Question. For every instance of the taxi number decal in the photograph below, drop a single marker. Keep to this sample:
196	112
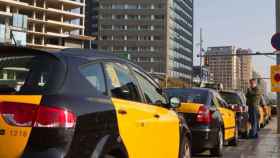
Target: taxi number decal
18	133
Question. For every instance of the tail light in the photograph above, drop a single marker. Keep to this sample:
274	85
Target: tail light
238	108
28	115
204	115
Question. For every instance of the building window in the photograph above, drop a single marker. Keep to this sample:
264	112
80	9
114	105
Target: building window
145	48
132	17
145	27
145	17
118	48
131	6
159	27
106	37
159	6
106	16
159	17
132	27
145	38
144	6
144	59
119	27
132	48
158	38
132	38
119	17
119	38
106	6
118	6
106	27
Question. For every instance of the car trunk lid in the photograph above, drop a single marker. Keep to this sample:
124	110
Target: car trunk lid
26	76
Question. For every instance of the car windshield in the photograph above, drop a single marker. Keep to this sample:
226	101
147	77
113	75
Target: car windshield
189	95
231	98
28	73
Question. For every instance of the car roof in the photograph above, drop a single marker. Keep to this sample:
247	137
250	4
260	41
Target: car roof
83	54
232	92
192	89
86	55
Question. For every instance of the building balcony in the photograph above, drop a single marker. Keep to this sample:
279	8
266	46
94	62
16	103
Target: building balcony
49	11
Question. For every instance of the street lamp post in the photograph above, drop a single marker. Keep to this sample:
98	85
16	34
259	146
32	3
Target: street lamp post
277	4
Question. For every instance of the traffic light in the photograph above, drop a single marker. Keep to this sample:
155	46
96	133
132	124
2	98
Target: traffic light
206	61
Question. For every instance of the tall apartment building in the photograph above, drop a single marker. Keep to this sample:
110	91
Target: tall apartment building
158	34
246	68
224	68
44	24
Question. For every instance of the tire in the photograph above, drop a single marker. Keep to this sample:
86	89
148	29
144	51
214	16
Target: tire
245	134
186	148
218	150
234	141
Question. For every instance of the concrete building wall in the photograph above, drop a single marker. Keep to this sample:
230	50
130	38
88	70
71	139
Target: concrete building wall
246	69
157	34
224	68
49	22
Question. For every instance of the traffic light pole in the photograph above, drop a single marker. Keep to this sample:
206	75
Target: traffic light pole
277	4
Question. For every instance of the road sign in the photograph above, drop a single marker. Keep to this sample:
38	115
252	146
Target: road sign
275	78
275	41
124	56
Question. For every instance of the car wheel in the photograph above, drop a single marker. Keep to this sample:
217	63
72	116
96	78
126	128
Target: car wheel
234	142
245	134
218	150
186	148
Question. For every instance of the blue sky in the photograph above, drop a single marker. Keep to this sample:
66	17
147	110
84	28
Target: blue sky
242	23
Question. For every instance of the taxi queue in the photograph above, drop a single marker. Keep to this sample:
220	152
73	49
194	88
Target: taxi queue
87	104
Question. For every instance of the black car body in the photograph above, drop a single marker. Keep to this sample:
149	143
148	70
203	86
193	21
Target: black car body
207	116
237	102
83	104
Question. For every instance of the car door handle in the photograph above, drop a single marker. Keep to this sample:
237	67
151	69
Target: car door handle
157	116
122	111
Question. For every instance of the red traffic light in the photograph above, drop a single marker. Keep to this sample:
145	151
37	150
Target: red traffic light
277	77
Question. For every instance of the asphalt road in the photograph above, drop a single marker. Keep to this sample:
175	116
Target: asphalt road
266	146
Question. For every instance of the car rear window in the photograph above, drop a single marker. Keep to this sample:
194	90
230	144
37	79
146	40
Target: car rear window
231	98
189	96
31	74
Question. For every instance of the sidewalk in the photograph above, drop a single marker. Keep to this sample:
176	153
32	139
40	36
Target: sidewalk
267	146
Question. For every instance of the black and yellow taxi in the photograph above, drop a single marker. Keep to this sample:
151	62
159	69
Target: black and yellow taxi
83	104
237	101
211	122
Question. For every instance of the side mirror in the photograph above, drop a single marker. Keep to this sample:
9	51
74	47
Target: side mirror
174	102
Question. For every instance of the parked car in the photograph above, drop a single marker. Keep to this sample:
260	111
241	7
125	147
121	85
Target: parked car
273	110
84	104
261	117
266	110
212	124
238	104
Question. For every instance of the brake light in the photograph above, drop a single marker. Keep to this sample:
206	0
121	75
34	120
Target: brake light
204	115
238	108
54	117
29	115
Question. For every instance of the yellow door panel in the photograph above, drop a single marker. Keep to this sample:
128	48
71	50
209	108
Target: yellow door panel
189	108
229	122
147	131
14	139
